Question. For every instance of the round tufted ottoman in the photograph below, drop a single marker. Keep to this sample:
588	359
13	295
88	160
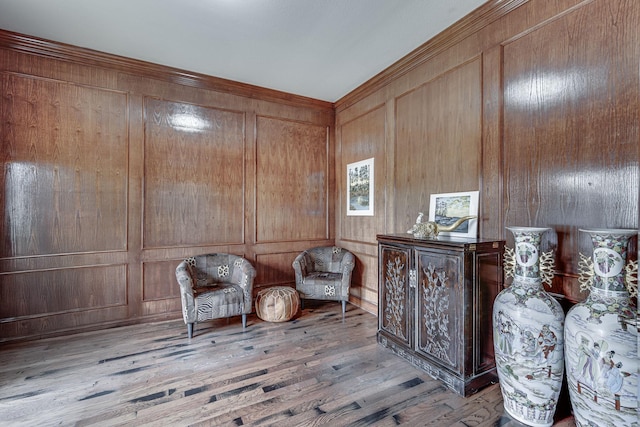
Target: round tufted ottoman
277	304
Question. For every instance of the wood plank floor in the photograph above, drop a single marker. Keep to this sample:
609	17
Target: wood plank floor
318	369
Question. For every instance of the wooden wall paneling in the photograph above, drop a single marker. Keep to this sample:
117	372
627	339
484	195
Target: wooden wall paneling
250	188
390	169
490	224
364	282
63	56
135	205
363	138
160	291
438	140
571	125
193	175
292	180
36	293
275	269
39	301
65	168
462	31
160	193
159	280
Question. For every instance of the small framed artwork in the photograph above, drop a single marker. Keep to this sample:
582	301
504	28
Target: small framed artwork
360	188
445	209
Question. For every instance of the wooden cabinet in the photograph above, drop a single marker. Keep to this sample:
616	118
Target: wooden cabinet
435	303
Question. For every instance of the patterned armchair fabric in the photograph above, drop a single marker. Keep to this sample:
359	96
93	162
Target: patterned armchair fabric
324	273
214	286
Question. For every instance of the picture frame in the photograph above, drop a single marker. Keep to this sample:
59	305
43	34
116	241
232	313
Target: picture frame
360	200
446	208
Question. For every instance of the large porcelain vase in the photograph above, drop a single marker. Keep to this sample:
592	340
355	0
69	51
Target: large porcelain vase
601	336
528	331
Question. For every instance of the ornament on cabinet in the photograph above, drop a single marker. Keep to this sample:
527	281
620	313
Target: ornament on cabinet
431	229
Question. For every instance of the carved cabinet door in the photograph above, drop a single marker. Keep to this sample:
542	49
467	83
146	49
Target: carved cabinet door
439	308
395	299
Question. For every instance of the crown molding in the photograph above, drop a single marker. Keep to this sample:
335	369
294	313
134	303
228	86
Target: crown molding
465	27
64	52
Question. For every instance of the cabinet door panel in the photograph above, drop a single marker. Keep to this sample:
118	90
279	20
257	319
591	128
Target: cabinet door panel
440	298
394	297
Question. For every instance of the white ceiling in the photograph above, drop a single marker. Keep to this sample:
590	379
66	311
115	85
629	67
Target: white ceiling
321	49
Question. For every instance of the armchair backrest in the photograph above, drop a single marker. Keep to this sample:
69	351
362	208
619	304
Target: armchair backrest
329	259
207	270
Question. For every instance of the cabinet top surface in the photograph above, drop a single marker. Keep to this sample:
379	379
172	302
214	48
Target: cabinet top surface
438	241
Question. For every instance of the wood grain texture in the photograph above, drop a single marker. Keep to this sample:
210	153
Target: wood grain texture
571	125
193	176
319	369
118	172
466	28
569	161
158	280
96	61
550	123
360	139
438	128
275	269
65	168
292	182
62	290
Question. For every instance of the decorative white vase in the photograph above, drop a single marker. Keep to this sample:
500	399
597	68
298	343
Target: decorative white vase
528	331
601	336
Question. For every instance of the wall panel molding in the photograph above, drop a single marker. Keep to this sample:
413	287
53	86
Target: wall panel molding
73	54
551	114
468	26
186	196
154	188
66	163
292	180
41	293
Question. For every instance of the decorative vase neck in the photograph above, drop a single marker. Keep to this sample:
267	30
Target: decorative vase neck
527	254
609	259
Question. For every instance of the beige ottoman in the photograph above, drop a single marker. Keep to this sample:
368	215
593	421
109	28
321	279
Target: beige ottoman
277	304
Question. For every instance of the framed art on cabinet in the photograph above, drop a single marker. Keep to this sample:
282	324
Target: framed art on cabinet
360	188
447	208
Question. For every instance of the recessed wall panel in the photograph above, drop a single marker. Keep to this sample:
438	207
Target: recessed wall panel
193	175
159	280
571	126
275	269
36	293
291	180
65	168
438	128
364	138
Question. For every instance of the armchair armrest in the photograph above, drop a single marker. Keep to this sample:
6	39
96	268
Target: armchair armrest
185	280
302	266
243	273
346	267
347	263
183	275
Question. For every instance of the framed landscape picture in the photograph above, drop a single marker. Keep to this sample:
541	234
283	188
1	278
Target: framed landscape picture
447	208
360	188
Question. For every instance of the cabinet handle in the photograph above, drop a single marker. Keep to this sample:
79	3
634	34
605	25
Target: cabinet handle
413	279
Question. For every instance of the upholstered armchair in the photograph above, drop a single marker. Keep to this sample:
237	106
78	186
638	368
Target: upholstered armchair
324	273
214	286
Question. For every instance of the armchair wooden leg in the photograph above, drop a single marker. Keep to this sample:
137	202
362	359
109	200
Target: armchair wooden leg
244	321
190	330
344	307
